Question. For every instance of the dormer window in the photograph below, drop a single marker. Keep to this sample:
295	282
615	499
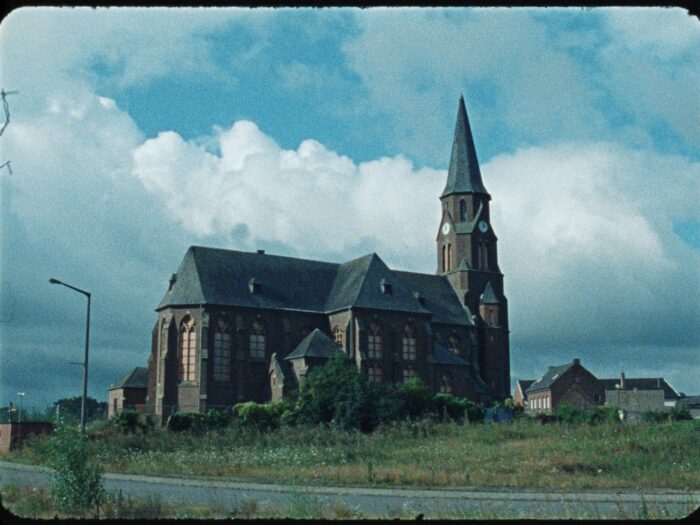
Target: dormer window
385	286
173	278
420	298
255	286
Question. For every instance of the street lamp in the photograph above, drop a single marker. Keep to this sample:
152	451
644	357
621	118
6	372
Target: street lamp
87	347
21	397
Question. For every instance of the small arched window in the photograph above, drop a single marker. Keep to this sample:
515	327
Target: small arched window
463	210
257	340
188	349
444	257
374	341
449	256
446	383
222	352
453	343
162	350
408	346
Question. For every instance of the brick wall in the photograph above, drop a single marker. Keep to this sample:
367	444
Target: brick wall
12	435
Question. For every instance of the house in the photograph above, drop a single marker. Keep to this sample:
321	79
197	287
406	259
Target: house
670	396
692	403
239	326
569	384
128	392
521	385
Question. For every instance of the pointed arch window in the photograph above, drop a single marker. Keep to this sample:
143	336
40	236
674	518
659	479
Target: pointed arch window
453	343
409	372
408	347
338	337
446	383
188	349
444	257
463	210
374	373
374	341
257	340
162	350
449	256
483	255
222	352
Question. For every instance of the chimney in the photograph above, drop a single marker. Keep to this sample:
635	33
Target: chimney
577	361
262	252
622	379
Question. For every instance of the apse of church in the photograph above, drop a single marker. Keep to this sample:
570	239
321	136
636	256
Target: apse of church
237	326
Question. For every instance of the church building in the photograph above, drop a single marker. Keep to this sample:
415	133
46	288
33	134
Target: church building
248	326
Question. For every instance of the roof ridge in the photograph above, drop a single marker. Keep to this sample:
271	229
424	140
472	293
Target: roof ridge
210	248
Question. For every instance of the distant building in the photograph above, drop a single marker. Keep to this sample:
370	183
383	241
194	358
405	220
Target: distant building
569	384
521	385
128	392
633	402
692	403
670	396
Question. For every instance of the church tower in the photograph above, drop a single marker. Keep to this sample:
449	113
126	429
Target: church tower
467	255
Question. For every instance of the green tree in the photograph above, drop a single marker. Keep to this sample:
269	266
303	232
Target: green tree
77	484
69	408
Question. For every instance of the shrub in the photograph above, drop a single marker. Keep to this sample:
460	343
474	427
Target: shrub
679	414
216	419
336	393
603	414
655	416
457	408
414	398
127	421
260	416
77	482
186	421
570	414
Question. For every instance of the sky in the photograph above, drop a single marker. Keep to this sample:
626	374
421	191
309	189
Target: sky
136	133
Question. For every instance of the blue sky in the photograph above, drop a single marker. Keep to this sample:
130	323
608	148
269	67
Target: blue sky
138	132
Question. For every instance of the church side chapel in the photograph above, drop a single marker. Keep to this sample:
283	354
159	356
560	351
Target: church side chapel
249	326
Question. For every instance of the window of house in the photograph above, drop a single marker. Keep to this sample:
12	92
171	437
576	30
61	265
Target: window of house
462	210
338	336
453	343
374	373
257	340
222	352
446	384
374	341
409	372
188	349
408	346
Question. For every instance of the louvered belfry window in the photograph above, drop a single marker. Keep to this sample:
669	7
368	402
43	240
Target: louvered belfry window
188	349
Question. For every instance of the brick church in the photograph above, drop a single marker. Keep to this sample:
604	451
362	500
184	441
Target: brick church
238	326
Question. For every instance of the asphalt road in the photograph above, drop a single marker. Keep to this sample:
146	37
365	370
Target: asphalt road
380	502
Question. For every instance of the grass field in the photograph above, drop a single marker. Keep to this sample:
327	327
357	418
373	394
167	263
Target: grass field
522	454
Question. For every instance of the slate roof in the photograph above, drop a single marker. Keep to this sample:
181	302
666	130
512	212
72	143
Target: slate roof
643	383
136	378
316	344
222	277
525	384
445	356
688	401
489	295
463	175
554	373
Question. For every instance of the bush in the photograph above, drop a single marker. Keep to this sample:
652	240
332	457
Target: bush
603	414
127	421
186	421
655	416
570	414
216	419
457	408
260	416
336	393
679	414
77	482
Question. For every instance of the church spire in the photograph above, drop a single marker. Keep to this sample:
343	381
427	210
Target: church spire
464	175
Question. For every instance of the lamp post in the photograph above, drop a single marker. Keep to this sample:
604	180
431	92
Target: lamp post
87	348
19	418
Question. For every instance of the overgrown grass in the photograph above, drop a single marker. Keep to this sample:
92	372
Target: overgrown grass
35	503
523	454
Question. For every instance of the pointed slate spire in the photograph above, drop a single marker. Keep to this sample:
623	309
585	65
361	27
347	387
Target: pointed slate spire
489	295
464	175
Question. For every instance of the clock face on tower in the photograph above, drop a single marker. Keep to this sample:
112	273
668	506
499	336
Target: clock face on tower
445	228
483	226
